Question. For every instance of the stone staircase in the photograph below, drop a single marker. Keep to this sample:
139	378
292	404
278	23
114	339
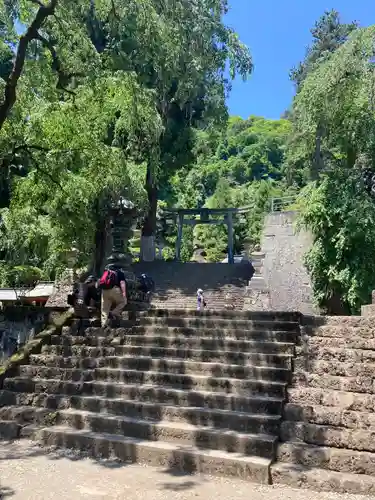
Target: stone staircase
197	392
177	283
329	422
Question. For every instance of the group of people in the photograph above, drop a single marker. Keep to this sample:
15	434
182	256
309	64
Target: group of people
108	293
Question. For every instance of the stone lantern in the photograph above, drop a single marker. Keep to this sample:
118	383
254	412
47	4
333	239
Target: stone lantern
71	259
122	214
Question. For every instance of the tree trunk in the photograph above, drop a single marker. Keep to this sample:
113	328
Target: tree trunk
149	224
10	94
100	240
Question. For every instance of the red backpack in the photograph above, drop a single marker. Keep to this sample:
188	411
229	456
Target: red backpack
108	280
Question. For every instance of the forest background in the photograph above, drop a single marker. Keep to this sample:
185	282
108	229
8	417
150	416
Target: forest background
98	99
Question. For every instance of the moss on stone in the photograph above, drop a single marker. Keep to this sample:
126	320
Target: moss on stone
34	344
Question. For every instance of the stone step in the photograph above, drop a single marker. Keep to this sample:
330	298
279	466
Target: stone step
113	389
335	459
328	415
157	453
188	343
146	395
178	381
342	331
298	476
25	415
178	331
354	342
215	322
282	360
349	401
343	355
331	382
225	314
334	368
168	366
43	408
261	445
325	435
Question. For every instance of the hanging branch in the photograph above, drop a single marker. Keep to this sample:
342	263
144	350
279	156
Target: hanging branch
10	92
62	77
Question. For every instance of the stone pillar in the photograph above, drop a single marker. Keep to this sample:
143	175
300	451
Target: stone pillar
179	236
229	221
257	296
122	217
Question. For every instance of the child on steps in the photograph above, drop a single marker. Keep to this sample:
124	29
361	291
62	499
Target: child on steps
201	303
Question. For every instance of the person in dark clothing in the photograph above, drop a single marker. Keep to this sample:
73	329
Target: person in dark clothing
91	294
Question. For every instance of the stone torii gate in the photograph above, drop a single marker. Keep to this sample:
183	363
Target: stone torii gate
187	216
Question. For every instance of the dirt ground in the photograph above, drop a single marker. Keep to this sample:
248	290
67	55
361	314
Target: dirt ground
28	472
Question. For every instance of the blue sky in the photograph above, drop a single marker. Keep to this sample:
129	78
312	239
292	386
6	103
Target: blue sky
277	33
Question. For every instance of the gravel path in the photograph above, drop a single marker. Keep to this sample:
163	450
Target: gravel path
28	472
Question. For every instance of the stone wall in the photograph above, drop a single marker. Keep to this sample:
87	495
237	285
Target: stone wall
18	324
283	270
327	433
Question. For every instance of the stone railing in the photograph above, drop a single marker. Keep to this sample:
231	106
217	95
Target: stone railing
282	204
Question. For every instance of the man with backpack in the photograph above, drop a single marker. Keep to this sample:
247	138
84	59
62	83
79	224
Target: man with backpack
113	286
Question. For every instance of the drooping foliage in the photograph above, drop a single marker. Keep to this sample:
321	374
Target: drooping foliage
105	98
334	130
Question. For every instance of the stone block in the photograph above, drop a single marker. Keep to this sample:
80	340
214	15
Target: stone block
9	430
368	311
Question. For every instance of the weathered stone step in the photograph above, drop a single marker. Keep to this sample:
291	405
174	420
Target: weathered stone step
335	368
354	342
214	322
113	389
350	384
178	331
335	459
156	453
343	354
249	315
350	401
165	365
189	343
187	382
25	415
342	331
147	394
298	476
328	415
282	360
324	435
261	445
45	412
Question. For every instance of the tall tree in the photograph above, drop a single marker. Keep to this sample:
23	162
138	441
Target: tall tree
181	51
329	33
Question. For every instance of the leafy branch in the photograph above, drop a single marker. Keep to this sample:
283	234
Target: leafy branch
10	91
